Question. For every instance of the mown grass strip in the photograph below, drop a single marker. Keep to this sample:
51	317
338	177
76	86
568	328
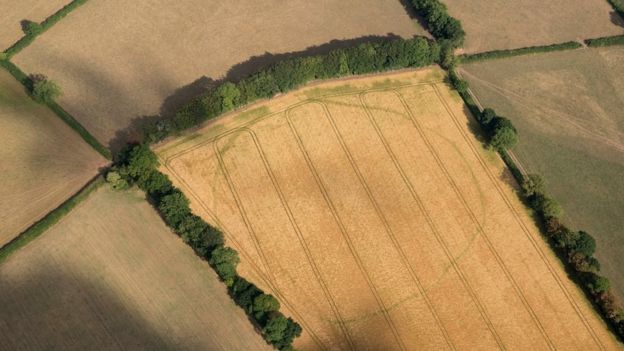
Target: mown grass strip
50	219
497	54
45	25
605	41
59	111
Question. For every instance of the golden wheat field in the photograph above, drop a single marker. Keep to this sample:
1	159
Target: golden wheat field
370	210
112	276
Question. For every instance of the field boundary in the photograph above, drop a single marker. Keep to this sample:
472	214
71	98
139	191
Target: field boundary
40	28
53	217
498	54
521	223
21	77
605	41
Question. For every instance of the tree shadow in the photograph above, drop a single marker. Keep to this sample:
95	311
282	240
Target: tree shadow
51	309
412	13
617	19
25	25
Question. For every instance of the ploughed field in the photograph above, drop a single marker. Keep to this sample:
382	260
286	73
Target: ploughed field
504	24
43	161
568	107
112	276
12	13
120	62
370	210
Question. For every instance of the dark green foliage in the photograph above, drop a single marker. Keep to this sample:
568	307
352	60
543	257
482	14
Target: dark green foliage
263	304
585	244
605	41
487	116
174	207
244	293
441	25
618	6
155	184
533	185
546	206
225	260
201	236
280	331
496	54
43	90
33	29
457	83
595	283
137	161
504	135
116	181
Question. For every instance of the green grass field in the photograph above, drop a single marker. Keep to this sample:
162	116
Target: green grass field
569	110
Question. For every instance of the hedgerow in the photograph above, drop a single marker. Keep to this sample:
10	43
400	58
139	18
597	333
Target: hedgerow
446	29
33	29
618	6
605	41
138	165
293	73
496	54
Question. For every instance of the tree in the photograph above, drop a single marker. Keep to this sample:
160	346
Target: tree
280	331
546	206
174	208
585	244
533	185
487	116
43	90
225	260
31	28
263	304
138	160
229	94
596	283
504	134
116	181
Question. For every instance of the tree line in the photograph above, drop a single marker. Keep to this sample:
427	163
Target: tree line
138	165
575	248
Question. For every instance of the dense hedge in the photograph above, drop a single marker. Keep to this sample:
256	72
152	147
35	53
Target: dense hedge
489	55
605	41
58	110
618	6
50	219
446	29
575	248
293	73
34	29
137	164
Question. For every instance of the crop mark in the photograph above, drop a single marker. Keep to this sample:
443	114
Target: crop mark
473	218
343	229
434	228
518	219
386	225
300	237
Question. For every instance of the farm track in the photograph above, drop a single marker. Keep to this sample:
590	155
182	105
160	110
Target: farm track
294	225
517	219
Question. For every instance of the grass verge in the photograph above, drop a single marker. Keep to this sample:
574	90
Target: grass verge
50	219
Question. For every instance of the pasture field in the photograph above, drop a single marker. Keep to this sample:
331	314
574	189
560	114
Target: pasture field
44	162
118	61
13	12
112	276
568	107
500	24
370	210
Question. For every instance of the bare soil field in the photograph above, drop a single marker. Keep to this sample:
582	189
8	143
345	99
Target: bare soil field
502	24
44	162
12	13
118	61
112	276
375	216
568	108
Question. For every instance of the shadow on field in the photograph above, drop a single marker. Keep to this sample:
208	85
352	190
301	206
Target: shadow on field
53	310
617	19
187	93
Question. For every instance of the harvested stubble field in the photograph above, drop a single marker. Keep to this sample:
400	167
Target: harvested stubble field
112	276
44	162
568	108
504	24
12	13
118	61
374	215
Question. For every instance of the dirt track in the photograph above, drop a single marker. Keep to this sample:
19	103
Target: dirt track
376	217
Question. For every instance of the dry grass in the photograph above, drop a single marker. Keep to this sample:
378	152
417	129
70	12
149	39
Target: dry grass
503	24
374	215
43	160
119	60
13	12
111	276
568	109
